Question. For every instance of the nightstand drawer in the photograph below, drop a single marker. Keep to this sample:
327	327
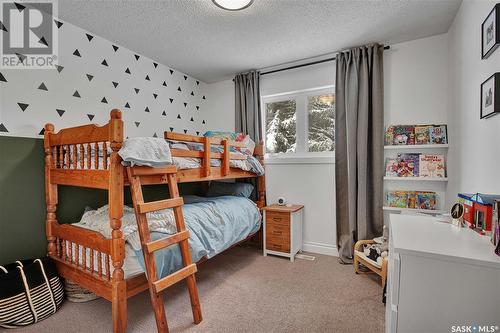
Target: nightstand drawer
281	218
280	244
277	230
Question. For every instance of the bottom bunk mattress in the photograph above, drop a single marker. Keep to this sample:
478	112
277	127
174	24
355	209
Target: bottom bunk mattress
215	224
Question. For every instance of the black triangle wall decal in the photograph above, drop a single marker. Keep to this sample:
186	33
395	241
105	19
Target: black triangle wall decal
185	77
203	97
164	83
192	119
58	23
20	7
197	133
21	57
185	104
89	37
154	135
59	68
3	128
42	132
147	78
171	72
104	63
136	90
171	129
137	123
179	89
76	94
146	109
185	131
91	116
155	95
90	77
77	53
179	116
203	122
171	100
43	87
23	106
127	71
197	107
103	100
2	78
197	83
115	84
163	113
60	112
136	57
127	105
192	93
115	48
2	27
43	41
155	64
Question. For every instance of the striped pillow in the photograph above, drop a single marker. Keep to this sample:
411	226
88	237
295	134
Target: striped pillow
30	291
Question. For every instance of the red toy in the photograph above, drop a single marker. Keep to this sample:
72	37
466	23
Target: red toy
478	210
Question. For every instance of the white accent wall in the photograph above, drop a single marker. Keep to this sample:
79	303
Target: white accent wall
474	157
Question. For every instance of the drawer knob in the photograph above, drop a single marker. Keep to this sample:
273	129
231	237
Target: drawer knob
277	218
277	232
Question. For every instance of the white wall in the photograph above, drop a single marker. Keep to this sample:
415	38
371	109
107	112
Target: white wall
220	106
474	156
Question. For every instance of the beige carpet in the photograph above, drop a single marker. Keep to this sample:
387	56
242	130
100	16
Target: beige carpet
242	291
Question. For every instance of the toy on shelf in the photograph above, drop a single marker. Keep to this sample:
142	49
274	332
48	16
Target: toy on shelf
416	135
478	211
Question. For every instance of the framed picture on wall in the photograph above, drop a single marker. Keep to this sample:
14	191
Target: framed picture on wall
490	96
490	35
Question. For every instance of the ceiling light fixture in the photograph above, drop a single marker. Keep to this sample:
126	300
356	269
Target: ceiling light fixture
233	5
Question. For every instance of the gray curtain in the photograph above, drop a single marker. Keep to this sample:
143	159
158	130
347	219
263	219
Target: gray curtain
247	98
359	147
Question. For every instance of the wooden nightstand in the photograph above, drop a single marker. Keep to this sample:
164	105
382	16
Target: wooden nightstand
283	230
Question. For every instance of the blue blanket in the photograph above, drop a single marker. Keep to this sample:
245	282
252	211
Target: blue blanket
214	225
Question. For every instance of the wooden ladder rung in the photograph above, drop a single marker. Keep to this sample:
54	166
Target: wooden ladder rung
148	171
173	278
165	242
152	206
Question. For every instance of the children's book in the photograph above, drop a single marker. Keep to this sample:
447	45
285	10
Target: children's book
398	199
426	200
391	167
438	134
431	165
412	200
404	135
422	134
408	165
389	136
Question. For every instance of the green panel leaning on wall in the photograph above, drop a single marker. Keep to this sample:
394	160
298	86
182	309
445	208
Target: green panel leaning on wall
22	199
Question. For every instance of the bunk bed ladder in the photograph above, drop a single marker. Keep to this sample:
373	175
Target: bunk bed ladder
156	285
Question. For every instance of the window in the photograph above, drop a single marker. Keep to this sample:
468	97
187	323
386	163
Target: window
300	123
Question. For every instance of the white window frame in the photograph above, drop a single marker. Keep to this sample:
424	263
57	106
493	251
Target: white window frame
301	154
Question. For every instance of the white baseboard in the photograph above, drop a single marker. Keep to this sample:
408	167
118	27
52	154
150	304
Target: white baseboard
320	248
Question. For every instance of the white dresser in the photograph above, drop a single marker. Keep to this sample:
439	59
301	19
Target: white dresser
441	278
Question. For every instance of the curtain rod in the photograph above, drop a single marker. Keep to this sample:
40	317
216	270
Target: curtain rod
307	64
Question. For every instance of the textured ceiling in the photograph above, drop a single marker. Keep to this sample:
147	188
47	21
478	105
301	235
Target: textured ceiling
198	38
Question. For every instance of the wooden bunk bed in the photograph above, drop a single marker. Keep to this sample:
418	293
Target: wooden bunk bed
72	158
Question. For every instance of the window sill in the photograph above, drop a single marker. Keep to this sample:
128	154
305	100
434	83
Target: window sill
300	159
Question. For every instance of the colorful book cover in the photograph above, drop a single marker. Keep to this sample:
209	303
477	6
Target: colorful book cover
404	135
422	134
432	165
426	200
391	167
408	165
398	199
389	136
438	134
412	200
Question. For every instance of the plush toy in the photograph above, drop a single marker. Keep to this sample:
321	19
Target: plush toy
378	250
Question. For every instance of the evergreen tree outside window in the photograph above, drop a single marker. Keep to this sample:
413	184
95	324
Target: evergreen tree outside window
321	114
281	129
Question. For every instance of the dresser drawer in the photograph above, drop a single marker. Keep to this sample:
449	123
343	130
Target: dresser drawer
277	230
280	244
276	218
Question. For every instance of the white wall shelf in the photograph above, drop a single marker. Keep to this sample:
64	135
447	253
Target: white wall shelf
400	147
417	179
426	211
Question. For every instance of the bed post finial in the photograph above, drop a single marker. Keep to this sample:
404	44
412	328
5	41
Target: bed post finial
115	114
50	191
